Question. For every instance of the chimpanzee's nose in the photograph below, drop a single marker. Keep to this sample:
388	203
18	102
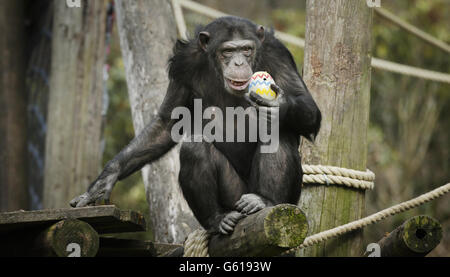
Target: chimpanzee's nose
238	62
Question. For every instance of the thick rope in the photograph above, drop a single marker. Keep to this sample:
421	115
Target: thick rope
371	219
196	244
327	175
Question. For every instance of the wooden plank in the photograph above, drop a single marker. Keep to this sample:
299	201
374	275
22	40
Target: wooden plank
104	219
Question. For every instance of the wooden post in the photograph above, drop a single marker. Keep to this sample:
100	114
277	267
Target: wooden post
67	237
72	158
13	108
147	33
416	237
337	72
266	233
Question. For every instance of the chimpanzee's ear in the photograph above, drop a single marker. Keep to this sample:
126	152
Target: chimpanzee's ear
203	39
260	33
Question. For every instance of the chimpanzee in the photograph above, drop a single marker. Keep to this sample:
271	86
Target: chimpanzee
224	181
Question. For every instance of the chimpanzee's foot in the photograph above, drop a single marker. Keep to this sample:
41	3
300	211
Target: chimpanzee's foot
230	220
250	203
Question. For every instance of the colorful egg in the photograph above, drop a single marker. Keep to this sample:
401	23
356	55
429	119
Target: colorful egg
260	84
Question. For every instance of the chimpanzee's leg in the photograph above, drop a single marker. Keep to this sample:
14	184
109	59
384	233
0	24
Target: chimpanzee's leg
275	177
211	186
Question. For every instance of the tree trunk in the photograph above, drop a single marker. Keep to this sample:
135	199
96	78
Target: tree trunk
147	34
337	72
13	113
74	111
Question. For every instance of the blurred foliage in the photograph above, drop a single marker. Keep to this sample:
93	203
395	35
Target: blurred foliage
410	118
409	138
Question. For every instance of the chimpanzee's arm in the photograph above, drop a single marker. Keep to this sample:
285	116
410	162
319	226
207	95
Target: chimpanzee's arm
298	111
301	114
153	142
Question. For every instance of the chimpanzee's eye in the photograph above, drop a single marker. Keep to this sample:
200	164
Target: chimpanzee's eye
247	50
227	52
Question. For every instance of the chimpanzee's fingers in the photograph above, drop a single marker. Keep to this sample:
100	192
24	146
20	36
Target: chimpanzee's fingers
73	203
250	101
249	208
239	202
85	200
259	100
222	231
276	88
227	228
107	194
256	209
242	204
278	91
229	221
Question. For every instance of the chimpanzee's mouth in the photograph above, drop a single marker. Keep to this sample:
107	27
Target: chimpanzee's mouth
238	84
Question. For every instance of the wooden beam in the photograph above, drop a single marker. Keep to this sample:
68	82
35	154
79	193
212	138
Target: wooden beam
61	239
104	219
416	237
337	73
268	232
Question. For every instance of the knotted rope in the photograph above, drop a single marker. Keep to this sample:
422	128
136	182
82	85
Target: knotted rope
327	175
196	244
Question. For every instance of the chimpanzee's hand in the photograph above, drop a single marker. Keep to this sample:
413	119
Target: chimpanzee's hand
258	101
268	109
99	189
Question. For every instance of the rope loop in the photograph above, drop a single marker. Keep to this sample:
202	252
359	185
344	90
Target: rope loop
326	175
196	244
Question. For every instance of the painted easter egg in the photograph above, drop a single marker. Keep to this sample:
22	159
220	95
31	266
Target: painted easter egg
260	84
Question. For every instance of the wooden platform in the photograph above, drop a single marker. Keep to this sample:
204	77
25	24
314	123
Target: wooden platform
50	232
104	219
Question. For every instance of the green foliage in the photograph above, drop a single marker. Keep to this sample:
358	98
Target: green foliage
291	21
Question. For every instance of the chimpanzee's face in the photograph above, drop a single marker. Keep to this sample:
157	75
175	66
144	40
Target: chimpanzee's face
236	58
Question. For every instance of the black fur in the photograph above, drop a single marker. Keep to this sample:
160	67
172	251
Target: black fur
215	176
